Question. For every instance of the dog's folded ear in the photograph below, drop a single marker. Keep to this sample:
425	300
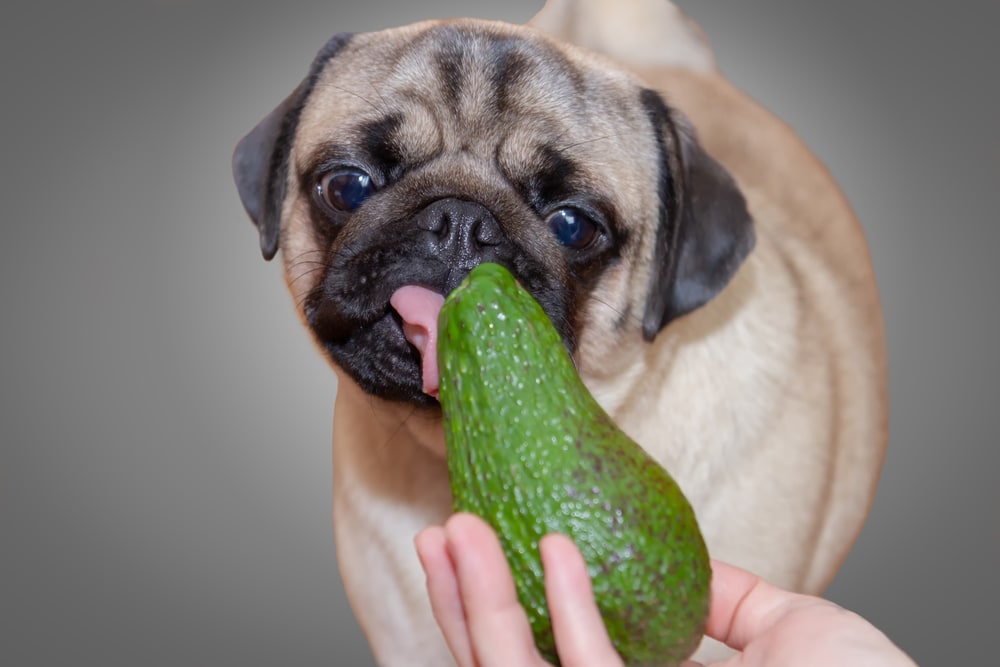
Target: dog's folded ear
705	230
260	167
260	161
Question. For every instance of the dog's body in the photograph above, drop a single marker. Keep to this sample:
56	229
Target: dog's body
764	397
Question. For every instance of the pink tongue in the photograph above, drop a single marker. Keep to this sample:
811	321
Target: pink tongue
419	307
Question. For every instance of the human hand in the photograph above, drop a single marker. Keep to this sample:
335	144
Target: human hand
475	603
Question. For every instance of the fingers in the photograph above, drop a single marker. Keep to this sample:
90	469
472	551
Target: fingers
442	588
473	596
498	627
581	638
475	601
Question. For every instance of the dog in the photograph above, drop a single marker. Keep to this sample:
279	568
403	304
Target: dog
712	283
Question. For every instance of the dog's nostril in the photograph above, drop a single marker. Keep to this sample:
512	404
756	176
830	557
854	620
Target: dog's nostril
488	231
436	224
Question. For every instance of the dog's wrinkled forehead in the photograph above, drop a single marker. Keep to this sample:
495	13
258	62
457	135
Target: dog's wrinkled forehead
478	72
474	87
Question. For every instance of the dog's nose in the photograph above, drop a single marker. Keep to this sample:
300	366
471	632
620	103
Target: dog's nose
460	229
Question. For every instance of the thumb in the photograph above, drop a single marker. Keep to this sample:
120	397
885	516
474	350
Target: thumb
745	607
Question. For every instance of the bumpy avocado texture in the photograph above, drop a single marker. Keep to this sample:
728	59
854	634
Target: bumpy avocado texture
532	452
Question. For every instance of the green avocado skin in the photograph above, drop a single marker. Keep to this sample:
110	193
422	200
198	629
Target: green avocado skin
532	452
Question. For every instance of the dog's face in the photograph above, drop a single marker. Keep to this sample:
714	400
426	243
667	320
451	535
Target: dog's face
407	157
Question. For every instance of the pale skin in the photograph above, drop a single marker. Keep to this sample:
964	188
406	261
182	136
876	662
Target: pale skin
475	603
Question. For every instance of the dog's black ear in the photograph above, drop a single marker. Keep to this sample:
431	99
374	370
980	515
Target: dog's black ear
260	161
260	168
705	230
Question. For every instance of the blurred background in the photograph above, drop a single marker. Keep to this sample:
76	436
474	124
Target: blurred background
165	422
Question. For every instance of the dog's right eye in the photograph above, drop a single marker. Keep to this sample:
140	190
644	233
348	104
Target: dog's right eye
344	190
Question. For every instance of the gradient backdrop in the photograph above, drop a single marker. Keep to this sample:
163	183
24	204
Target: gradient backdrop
165	422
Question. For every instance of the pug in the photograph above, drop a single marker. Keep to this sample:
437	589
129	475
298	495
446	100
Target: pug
709	278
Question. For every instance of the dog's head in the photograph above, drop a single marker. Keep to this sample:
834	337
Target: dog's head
408	156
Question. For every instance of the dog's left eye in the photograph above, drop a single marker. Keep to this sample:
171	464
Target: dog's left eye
345	190
572	227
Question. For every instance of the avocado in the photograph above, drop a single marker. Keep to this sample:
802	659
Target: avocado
532	452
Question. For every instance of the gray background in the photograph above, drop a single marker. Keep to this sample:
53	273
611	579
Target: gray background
165	421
